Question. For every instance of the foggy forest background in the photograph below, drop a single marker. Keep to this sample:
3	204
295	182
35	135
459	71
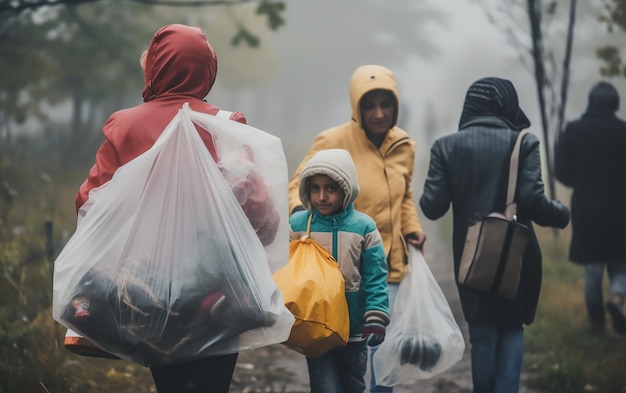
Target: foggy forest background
65	65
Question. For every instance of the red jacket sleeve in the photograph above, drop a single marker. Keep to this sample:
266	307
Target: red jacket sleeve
102	171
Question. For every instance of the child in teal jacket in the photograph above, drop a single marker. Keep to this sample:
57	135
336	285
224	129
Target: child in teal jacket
328	188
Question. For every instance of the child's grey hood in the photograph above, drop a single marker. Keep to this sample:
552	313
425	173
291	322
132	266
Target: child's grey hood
336	164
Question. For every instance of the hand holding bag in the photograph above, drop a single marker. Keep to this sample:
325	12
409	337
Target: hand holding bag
423	338
494	247
314	291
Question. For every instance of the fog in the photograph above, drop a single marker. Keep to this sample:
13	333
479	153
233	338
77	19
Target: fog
296	84
436	48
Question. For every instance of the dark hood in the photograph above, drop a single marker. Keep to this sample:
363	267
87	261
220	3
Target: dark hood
493	97
603	100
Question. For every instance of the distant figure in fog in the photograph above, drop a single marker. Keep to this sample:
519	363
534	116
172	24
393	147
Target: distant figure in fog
591	158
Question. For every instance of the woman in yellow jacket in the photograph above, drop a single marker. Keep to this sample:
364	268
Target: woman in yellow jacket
384	155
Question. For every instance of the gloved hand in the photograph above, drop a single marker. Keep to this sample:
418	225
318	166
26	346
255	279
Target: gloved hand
373	332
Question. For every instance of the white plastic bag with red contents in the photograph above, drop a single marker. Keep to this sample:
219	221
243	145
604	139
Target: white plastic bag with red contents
423	338
172	259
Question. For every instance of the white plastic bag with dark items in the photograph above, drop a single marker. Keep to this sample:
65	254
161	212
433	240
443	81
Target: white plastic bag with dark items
423	338
168	263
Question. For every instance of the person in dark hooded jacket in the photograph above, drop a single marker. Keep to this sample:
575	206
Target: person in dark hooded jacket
180	66
590	158
469	169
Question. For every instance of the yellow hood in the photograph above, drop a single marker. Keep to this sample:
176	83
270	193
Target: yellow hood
367	78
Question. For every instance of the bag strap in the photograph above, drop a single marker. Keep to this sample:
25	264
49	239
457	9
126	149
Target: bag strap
511	208
308	228
308	225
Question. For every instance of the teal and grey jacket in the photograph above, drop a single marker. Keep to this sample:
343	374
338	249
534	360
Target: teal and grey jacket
351	237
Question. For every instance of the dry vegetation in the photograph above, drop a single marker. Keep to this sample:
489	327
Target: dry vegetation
562	356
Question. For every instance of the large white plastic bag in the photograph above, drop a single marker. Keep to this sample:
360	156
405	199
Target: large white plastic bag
423	338
164	259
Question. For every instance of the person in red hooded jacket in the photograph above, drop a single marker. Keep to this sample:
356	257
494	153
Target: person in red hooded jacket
180	66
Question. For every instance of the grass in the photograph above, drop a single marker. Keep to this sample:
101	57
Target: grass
562	355
32	356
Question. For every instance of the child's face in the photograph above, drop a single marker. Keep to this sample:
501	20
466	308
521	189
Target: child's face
326	195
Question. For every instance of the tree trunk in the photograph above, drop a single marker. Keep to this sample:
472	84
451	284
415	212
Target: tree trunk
534	15
566	68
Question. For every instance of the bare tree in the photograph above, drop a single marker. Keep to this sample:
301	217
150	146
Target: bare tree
567	57
544	83
541	60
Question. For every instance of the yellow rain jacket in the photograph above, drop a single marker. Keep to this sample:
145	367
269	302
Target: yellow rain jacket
384	173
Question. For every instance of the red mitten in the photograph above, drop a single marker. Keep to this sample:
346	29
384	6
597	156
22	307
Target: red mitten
373	332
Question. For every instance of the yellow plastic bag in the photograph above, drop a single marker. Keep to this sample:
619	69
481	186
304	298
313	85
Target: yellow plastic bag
314	291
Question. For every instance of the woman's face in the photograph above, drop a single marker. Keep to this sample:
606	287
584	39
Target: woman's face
378	109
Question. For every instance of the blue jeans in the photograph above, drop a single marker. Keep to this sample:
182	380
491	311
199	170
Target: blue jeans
393	293
594	276
341	370
496	355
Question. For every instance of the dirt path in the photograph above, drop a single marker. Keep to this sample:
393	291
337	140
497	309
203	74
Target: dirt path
278	369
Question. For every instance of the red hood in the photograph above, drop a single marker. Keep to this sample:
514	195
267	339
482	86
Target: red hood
179	61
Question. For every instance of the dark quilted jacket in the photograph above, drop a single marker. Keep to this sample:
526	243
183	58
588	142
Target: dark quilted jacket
591	158
468	170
